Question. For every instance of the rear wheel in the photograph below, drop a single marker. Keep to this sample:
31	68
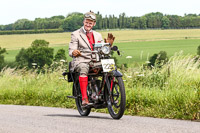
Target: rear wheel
117	99
78	100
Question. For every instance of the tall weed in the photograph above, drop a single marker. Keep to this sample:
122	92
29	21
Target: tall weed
172	91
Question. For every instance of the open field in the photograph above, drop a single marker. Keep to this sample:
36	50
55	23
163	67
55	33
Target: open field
140	51
11	42
140	44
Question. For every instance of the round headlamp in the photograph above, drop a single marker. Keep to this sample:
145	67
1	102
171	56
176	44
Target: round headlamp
105	49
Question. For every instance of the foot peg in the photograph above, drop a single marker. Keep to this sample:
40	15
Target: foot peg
87	105
71	97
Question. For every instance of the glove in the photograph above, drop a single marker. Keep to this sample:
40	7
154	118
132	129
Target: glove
76	53
110	39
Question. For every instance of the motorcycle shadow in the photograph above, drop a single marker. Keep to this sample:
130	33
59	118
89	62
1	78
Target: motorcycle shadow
78	116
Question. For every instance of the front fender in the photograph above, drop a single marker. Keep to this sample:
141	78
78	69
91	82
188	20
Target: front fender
117	73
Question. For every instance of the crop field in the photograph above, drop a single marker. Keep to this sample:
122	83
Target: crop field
11	42
140	51
140	44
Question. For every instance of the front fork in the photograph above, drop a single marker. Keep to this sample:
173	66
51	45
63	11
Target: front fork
109	87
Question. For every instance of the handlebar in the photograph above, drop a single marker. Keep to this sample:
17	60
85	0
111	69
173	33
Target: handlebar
88	52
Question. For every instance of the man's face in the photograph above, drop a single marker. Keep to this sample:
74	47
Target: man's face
88	24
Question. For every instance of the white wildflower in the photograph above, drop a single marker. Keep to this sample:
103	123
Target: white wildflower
128	57
137	72
34	64
147	62
62	60
61	78
140	75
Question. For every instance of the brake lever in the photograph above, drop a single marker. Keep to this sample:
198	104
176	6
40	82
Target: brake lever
118	52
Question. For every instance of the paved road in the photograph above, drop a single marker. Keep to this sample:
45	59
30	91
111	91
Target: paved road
33	119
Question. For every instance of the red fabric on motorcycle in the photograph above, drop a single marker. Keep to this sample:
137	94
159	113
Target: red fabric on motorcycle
90	38
83	85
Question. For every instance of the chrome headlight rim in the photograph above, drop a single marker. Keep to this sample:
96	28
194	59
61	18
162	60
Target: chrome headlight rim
106	50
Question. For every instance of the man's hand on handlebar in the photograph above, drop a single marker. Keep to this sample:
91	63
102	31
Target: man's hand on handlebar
110	39
76	53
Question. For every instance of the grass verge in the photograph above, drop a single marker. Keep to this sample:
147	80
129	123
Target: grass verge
172	91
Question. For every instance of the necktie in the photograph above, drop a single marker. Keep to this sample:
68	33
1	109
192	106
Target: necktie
90	38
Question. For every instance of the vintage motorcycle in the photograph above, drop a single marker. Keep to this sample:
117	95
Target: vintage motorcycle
105	85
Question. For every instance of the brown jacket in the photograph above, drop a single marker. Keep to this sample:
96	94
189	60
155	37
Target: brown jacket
80	42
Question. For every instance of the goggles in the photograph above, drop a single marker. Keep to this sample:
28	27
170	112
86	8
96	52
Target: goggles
90	16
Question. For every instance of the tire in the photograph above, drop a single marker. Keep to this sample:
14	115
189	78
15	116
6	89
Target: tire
117	100
78	100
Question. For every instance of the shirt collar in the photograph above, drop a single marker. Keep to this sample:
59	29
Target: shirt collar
85	30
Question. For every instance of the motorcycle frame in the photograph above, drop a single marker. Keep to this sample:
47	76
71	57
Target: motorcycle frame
105	81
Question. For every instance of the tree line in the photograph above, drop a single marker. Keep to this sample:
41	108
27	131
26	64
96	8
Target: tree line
74	21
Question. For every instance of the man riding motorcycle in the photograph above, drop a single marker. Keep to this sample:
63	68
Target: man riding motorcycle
82	40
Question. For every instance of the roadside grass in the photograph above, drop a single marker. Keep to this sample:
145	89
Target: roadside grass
29	88
172	91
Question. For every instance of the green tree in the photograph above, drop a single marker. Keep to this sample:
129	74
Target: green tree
105	22
123	15
115	22
143	22
198	50
175	21
40	43
58	17
28	25
158	59
1	27
73	22
22	24
8	27
154	20
2	51
120	21
22	58
99	22
60	55
165	22
110	22
136	23
38	53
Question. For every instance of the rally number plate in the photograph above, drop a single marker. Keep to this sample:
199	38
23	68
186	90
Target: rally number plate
108	65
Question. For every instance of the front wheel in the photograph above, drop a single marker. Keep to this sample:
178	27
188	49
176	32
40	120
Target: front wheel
82	111
117	100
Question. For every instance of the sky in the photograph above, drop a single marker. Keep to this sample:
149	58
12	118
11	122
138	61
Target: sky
12	10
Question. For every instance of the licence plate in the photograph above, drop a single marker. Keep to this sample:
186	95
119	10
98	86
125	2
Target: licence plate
108	65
